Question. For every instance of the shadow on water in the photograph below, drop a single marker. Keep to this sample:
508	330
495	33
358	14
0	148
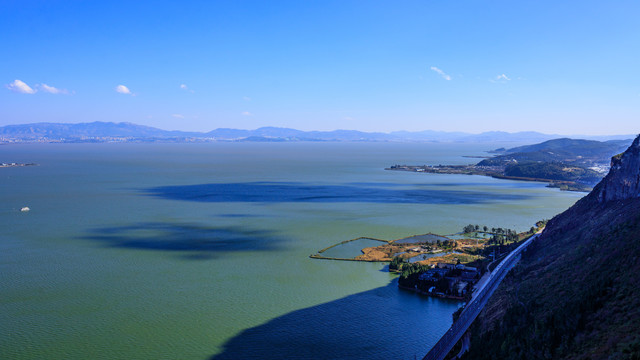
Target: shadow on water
430	184
239	216
383	323
191	241
271	192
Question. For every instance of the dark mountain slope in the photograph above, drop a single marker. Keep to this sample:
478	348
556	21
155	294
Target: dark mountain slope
575	294
569	151
575	147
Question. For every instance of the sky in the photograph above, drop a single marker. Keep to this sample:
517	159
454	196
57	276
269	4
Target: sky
558	67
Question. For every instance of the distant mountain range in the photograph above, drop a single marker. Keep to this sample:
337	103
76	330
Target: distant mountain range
109	131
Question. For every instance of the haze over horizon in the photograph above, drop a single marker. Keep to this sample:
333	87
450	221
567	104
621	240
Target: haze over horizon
128	129
555	68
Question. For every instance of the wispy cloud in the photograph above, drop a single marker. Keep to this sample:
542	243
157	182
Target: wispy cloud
502	78
178	116
186	88
21	87
52	90
441	73
123	90
246	98
246	113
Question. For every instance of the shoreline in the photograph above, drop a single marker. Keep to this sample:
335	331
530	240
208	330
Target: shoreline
366	255
439	296
496	172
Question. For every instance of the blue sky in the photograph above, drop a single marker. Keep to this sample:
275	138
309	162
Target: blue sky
561	67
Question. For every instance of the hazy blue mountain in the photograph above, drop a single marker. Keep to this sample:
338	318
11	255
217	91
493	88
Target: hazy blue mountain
97	130
298	135
277	132
429	135
94	129
226	133
352	135
523	136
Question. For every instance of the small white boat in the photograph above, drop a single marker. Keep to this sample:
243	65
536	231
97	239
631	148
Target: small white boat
24	209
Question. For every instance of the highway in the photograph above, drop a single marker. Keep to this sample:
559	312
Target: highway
471	311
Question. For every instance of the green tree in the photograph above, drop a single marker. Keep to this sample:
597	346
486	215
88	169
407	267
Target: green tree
396	263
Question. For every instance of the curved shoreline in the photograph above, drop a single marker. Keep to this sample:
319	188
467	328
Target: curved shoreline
366	257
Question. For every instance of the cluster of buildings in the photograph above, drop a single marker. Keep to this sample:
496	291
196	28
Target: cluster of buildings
448	280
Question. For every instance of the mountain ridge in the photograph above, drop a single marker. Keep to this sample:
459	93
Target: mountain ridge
623	181
585	153
83	131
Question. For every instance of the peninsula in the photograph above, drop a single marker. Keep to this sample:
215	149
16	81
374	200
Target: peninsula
567	164
445	266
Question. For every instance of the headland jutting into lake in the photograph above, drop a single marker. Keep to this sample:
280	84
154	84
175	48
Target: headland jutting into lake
445	266
497	172
567	164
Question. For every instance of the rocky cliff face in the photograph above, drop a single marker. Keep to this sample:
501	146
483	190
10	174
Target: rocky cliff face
623	180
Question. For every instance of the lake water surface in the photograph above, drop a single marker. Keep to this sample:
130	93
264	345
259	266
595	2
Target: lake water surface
200	251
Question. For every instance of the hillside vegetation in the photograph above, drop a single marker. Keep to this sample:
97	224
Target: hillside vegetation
576	152
574	295
574	147
553	171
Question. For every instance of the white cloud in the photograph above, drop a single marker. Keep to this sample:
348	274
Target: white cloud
51	89
178	116
347	118
441	73
186	88
246	98
123	90
246	113
20	87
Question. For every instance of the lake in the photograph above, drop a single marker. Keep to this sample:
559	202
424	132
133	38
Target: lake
200	251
